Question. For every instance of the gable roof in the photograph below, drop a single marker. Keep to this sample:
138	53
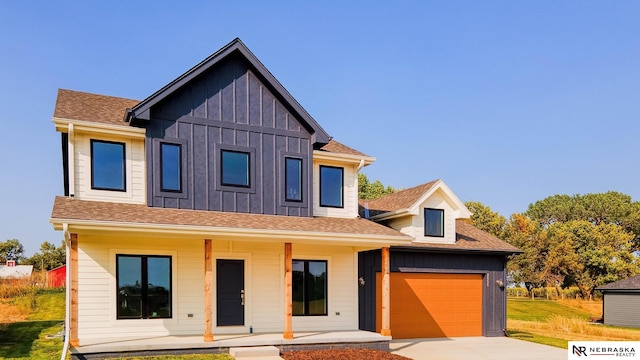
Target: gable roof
15	272
141	111
470	239
76	105
406	201
139	216
339	148
632	283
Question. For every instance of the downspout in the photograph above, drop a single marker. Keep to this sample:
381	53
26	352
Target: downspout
71	160
360	166
67	316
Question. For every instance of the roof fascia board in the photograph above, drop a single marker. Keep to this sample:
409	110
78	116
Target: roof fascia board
141	110
390	215
62	125
330	156
462	211
457	251
75	224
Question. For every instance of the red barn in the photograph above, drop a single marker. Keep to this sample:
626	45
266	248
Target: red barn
57	277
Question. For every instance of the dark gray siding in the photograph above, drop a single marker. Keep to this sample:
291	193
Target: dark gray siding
229	107
418	260
621	309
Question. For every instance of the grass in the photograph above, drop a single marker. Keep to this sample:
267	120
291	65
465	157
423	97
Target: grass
555	322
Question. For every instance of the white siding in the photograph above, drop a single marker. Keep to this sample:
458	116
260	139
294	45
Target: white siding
350	209
134	167
264	286
622	309
97	284
438	200
413	224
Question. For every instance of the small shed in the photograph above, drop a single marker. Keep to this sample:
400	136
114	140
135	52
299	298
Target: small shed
57	277
621	301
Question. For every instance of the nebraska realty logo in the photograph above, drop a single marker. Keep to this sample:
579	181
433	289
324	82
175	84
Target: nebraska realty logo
603	349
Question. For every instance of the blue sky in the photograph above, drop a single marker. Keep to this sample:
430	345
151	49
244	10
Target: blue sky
507	101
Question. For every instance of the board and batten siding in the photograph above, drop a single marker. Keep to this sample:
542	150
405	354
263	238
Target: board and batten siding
492	268
621	309
264	286
229	107
134	170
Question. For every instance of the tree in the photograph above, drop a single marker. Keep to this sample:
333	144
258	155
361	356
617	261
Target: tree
11	249
372	190
593	254
49	257
603	208
485	219
529	236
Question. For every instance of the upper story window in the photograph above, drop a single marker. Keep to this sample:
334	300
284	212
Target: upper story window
434	222
331	186
144	286
107	165
293	179
309	287
171	163
235	168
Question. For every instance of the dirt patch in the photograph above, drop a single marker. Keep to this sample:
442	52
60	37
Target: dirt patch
341	354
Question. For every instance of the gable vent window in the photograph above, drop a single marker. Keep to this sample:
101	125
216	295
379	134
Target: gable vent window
170	159
434	222
107	165
331	186
235	168
293	179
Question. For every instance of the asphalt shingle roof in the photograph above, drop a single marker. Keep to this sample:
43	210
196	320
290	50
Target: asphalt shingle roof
398	200
632	283
76	105
65	208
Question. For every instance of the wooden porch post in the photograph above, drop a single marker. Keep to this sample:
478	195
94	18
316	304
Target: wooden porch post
73	273
288	293
208	291
385	328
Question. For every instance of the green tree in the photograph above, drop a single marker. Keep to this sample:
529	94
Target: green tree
529	236
603	208
11	249
49	257
593	254
486	219
372	190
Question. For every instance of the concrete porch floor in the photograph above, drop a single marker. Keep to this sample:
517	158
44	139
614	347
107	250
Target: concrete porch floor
95	349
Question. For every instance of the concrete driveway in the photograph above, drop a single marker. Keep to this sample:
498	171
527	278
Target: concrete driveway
480	348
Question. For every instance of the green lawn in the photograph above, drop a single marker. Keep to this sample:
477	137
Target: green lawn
540	310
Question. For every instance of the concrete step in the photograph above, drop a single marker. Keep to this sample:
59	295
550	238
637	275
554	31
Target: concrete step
254	352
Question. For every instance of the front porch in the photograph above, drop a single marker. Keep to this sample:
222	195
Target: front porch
96	349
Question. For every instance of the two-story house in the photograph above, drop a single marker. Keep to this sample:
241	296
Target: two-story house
219	206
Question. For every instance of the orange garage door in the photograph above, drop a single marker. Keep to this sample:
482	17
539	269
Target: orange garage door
433	305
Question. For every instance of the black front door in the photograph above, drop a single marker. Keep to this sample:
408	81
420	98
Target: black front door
230	292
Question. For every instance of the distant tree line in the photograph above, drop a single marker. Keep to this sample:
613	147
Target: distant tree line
580	240
566	240
48	257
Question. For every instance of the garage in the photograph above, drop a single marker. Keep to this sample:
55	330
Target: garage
431	305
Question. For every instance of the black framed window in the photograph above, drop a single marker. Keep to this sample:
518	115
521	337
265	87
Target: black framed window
171	164
144	286
331	186
293	179
309	287
433	222
107	165
235	168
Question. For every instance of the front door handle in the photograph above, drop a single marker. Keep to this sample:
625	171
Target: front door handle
242	297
